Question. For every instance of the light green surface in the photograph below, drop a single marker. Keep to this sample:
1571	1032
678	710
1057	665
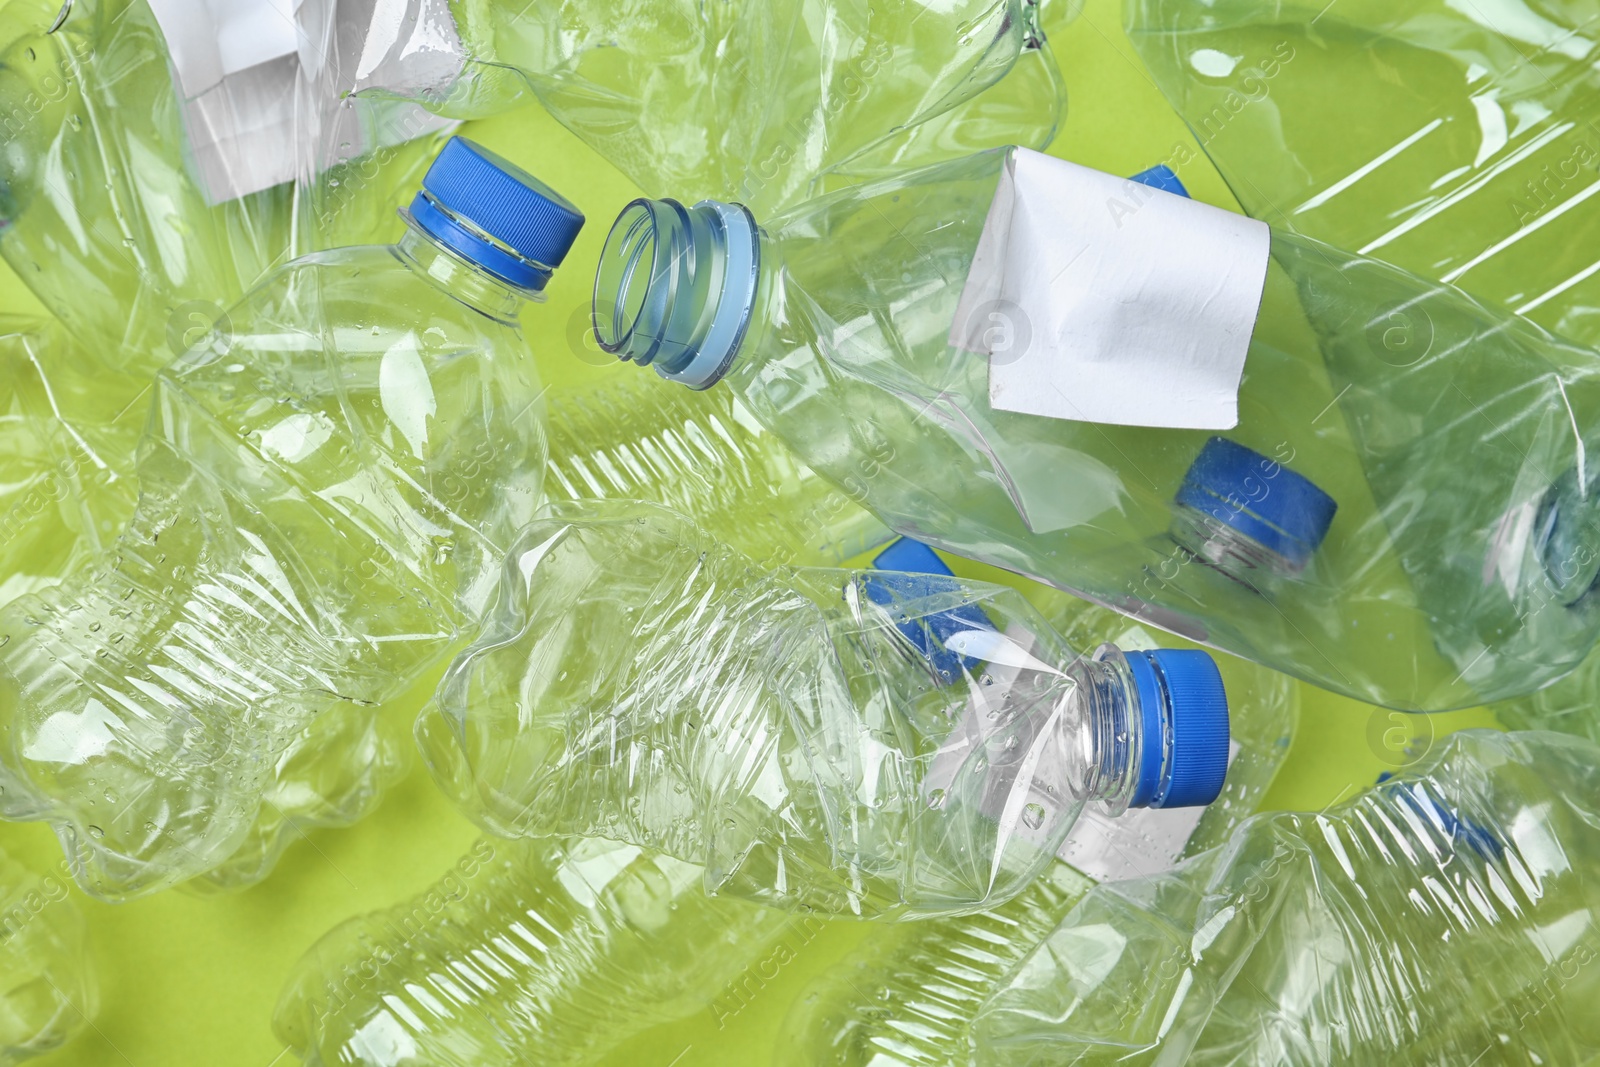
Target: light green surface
189	980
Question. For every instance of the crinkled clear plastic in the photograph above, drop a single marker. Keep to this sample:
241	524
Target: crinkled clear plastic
907	995
1459	567
757	100
325	495
1454	139
528	952
1445	916
48	989
637	681
106	214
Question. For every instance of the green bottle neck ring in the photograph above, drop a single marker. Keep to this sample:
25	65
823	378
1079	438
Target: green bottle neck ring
676	287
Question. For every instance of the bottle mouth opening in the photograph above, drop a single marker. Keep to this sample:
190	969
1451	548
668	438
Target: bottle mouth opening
622	284
676	287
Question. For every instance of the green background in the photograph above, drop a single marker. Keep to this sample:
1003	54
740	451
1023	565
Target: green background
189	980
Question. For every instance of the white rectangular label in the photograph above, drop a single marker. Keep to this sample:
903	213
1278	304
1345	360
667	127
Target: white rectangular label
1098	299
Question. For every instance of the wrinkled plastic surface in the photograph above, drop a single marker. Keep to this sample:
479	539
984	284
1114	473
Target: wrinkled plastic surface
102	214
324	498
531	952
639	682
908	995
48	991
1444	916
706	457
1457	140
1438	585
759	100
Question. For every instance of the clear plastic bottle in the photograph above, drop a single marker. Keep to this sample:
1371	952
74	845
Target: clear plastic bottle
1461	144
1446	916
759	101
705	456
531	952
870	743
48	991
101	213
325	495
1352	552
907	996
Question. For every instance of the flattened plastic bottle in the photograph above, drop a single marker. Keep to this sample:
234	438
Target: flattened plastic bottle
907	996
1360	553
101	212
867	743
324	499
1444	916
531	952
48	990
757	101
1461	143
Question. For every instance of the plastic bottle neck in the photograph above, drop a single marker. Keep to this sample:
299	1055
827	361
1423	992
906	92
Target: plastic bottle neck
678	287
462	279
1114	741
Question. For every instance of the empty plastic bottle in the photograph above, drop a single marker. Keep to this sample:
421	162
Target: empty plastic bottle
1461	144
1446	916
705	456
907	996
756	101
867	743
530	952
1353	551
325	496
103	216
48	992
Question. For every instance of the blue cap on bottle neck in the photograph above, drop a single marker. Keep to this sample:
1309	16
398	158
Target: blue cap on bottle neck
495	214
1180	694
911	569
1260	498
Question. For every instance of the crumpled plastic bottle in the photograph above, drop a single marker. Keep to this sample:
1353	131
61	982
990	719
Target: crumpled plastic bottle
1351	552
325	495
1444	916
705	456
869	743
48	990
906	997
756	100
544	952
103	217
1461	143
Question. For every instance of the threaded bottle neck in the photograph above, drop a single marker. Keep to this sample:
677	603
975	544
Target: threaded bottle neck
677	287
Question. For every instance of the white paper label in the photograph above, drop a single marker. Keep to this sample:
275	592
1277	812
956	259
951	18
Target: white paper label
1098	299
268	85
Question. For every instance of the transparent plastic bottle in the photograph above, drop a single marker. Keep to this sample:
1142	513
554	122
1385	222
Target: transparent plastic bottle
102	215
705	456
1445	916
48	991
870	743
1352	552
907	996
1461	144
544	952
758	101
325	495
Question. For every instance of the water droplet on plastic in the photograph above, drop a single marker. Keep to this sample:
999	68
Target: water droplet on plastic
1033	816
936	799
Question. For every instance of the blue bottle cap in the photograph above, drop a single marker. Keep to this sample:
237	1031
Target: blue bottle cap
1180	690
1161	177
495	214
1259	497
911	569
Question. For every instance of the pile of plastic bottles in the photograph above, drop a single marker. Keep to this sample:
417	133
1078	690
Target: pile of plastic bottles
955	575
